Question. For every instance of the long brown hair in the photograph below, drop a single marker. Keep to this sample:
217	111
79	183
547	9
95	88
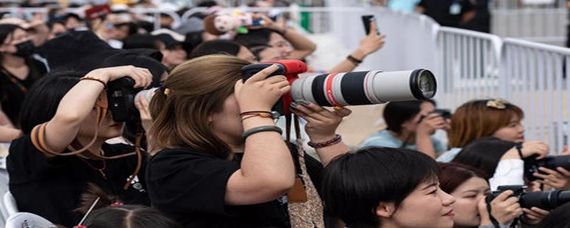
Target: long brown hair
476	119
194	90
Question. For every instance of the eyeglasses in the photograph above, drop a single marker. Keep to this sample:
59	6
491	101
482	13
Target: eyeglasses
497	103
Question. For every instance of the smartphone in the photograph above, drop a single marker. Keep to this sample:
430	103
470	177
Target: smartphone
366	19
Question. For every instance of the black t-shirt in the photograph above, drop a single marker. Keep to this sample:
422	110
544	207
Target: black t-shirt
52	187
446	12
190	186
13	90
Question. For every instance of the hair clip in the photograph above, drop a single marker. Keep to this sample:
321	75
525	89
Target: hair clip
497	103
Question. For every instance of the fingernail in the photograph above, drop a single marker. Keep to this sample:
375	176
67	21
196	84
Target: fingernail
294	104
303	102
337	108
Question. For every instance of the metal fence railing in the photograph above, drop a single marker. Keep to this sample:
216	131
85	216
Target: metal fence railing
468	63
535	79
530	75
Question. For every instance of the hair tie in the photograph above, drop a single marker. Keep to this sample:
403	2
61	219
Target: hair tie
117	204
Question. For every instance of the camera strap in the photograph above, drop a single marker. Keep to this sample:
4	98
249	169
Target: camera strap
309	211
493	220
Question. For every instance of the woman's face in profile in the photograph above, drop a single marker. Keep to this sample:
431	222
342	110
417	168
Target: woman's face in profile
514	132
427	206
467	196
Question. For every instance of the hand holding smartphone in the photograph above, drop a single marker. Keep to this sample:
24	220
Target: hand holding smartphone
366	20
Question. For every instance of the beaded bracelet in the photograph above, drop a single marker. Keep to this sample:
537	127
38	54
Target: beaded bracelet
354	60
260	129
94	79
337	138
519	149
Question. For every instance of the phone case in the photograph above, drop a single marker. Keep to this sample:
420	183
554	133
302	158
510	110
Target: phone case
366	19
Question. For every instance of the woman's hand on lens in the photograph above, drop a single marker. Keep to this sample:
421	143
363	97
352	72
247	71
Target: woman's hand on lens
321	122
505	208
559	178
259	92
535	148
141	76
534	215
430	123
528	149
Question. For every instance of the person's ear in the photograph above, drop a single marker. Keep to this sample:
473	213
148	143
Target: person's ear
385	210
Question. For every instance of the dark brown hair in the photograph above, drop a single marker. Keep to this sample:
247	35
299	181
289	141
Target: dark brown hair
452	175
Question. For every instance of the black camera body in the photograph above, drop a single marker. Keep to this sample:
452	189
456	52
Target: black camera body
531	165
120	97
444	113
547	200
289	68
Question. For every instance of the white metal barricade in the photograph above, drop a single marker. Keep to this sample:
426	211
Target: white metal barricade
468	66
535	79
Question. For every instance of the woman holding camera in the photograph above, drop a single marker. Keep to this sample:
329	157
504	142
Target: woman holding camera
206	121
66	123
481	118
502	161
410	124
469	187
385	187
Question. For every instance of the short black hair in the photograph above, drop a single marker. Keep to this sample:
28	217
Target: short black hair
484	153
355	183
397	112
42	99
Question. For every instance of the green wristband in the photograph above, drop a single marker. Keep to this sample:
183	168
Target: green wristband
260	129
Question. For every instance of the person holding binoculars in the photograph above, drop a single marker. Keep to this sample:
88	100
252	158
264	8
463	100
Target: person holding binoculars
221	161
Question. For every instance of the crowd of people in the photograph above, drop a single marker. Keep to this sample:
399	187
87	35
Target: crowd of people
115	123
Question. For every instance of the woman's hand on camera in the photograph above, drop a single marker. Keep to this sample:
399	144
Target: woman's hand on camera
259	92
321	122
528	149
430	123
142	105
534	215
559	178
504	208
141	76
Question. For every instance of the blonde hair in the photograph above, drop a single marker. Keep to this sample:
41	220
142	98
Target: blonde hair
196	89
475	119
